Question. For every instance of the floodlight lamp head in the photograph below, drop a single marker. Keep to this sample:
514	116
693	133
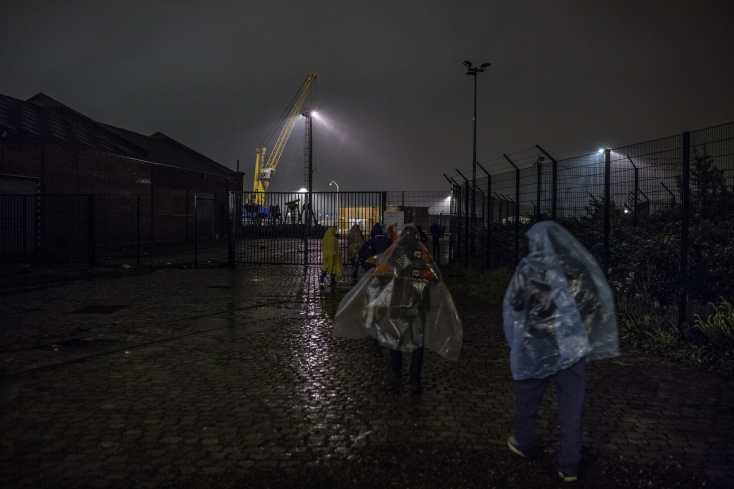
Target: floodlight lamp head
485	65
467	64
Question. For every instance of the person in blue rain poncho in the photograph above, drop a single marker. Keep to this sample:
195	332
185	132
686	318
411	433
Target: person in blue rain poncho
404	304
558	313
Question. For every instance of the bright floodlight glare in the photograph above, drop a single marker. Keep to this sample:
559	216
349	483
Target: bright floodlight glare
601	150
302	190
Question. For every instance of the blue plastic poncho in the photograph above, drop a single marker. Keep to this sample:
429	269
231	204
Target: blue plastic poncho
402	302
558	307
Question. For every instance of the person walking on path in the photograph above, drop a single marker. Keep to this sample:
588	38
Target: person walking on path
558	312
331	256
405	305
374	246
355	241
437	232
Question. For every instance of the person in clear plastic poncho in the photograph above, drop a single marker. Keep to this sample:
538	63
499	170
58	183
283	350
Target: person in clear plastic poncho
404	304
558	312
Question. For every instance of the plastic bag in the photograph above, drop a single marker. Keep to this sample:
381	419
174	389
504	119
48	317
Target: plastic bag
402	302
558	308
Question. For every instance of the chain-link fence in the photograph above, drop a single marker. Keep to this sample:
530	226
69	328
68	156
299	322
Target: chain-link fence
658	215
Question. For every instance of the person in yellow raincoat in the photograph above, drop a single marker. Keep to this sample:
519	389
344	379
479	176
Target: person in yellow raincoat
331	256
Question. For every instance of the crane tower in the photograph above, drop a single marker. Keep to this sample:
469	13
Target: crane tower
264	170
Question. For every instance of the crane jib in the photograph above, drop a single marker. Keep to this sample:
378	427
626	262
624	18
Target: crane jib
262	178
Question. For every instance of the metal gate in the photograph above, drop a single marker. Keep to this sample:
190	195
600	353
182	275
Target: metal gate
285	228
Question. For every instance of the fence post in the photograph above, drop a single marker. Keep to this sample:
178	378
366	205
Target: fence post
517	209
452	222
231	226
489	220
538	189
466	226
637	192
489	214
607	206
685	183
459	204
91	232
137	267
25	232
554	191
517	216
466	220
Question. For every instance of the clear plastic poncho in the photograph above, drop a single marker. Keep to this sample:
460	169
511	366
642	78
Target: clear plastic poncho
402	302
558	307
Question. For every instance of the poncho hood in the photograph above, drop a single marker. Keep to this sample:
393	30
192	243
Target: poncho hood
559	307
376	230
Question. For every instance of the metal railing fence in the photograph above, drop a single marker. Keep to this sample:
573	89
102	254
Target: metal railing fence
47	229
282	228
287	227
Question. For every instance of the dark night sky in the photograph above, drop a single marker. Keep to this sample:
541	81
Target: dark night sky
397	107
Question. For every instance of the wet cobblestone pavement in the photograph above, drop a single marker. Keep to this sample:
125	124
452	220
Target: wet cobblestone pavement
221	377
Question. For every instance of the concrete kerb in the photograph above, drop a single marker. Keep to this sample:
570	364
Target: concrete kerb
224	377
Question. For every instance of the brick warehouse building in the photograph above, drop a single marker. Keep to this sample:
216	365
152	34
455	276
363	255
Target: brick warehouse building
142	186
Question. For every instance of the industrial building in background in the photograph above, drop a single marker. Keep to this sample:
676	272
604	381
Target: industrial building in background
66	179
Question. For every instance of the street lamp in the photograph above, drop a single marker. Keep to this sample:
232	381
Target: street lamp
337	204
472	71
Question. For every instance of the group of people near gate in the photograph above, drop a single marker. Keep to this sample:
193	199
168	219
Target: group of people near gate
558	314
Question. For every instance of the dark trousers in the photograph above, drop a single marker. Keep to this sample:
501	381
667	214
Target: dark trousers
570	389
416	363
436	250
323	276
355	266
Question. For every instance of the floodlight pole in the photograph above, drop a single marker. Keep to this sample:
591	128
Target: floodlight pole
309	204
472	71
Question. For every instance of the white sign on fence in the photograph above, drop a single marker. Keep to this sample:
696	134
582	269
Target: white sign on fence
396	219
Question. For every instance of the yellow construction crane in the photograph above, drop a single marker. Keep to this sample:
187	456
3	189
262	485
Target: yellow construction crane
264	171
